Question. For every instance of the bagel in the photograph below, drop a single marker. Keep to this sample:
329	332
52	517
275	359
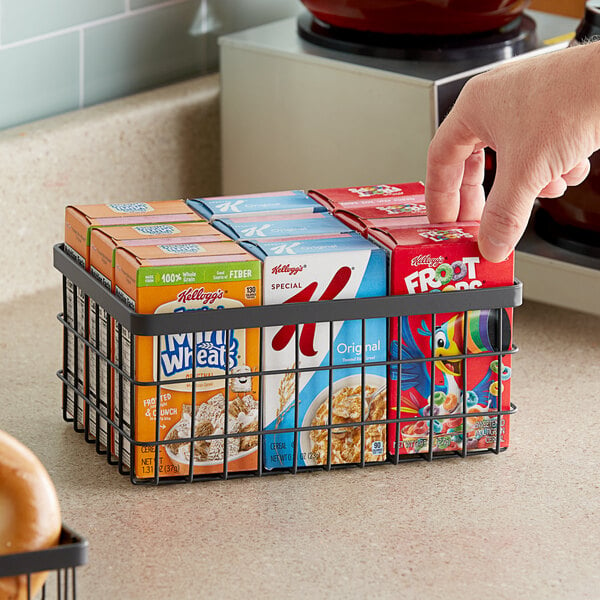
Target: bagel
30	516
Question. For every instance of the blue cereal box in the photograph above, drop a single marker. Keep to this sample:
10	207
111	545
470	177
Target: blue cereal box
288	202
280	226
304	388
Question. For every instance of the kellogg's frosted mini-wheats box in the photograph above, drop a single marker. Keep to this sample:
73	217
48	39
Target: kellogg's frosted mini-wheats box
174	278
80	221
438	259
307	271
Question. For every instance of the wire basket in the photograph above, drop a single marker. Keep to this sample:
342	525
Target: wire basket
115	435
61	560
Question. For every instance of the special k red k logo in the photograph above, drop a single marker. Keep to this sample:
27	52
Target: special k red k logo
289	269
307	331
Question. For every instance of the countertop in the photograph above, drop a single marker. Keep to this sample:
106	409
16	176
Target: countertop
523	524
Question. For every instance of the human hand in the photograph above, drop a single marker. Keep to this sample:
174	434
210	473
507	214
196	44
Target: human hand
542	117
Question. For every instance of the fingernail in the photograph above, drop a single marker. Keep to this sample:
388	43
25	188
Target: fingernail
494	250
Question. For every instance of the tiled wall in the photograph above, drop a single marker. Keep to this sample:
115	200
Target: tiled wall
60	55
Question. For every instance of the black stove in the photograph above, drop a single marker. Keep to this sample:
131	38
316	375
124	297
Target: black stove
515	38
575	239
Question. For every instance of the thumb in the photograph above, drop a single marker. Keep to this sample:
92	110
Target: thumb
506	212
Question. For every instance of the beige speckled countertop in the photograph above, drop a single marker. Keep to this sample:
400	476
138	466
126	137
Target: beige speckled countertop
524	524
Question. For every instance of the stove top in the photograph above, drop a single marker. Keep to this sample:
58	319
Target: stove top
515	38
583	242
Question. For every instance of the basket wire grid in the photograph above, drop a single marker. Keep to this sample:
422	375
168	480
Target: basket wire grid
61	561
129	324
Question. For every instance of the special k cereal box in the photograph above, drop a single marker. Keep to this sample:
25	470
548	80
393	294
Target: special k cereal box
272	203
103	243
309	271
404	196
79	221
293	225
434	259
178	278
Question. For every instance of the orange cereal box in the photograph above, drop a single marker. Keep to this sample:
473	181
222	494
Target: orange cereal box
178	278
103	243
79	222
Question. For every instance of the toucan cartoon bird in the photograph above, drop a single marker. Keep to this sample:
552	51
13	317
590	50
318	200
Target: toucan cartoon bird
484	330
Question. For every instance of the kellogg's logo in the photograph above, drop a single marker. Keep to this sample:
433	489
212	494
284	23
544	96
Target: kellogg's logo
288	269
426	260
201	295
376	190
131	207
442	235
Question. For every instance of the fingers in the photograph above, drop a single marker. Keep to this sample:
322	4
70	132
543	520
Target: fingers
447	166
472	195
554	189
506	212
575	176
578	173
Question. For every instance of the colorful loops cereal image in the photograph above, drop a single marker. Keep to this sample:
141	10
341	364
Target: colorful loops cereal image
476	332
445	273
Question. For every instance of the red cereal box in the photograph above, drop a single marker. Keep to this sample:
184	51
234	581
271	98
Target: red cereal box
468	377
361	220
352	198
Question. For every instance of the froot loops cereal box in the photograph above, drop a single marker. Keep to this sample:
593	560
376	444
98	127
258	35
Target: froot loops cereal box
177	278
311	270
272	203
362	208
79	222
398	198
437	259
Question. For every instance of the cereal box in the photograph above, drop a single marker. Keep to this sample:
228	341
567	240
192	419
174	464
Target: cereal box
404	194
273	203
177	278
361	220
103	243
302	226
79	221
306	271
433	259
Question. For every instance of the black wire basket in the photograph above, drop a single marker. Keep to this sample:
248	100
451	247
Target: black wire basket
115	436
61	561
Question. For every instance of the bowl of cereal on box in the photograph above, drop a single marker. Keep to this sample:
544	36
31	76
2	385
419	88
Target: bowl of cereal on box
347	396
209	420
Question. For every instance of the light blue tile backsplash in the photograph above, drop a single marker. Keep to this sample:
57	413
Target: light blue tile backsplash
23	19
60	55
39	79
125	56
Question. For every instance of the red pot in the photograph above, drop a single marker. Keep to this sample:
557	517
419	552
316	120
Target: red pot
421	17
